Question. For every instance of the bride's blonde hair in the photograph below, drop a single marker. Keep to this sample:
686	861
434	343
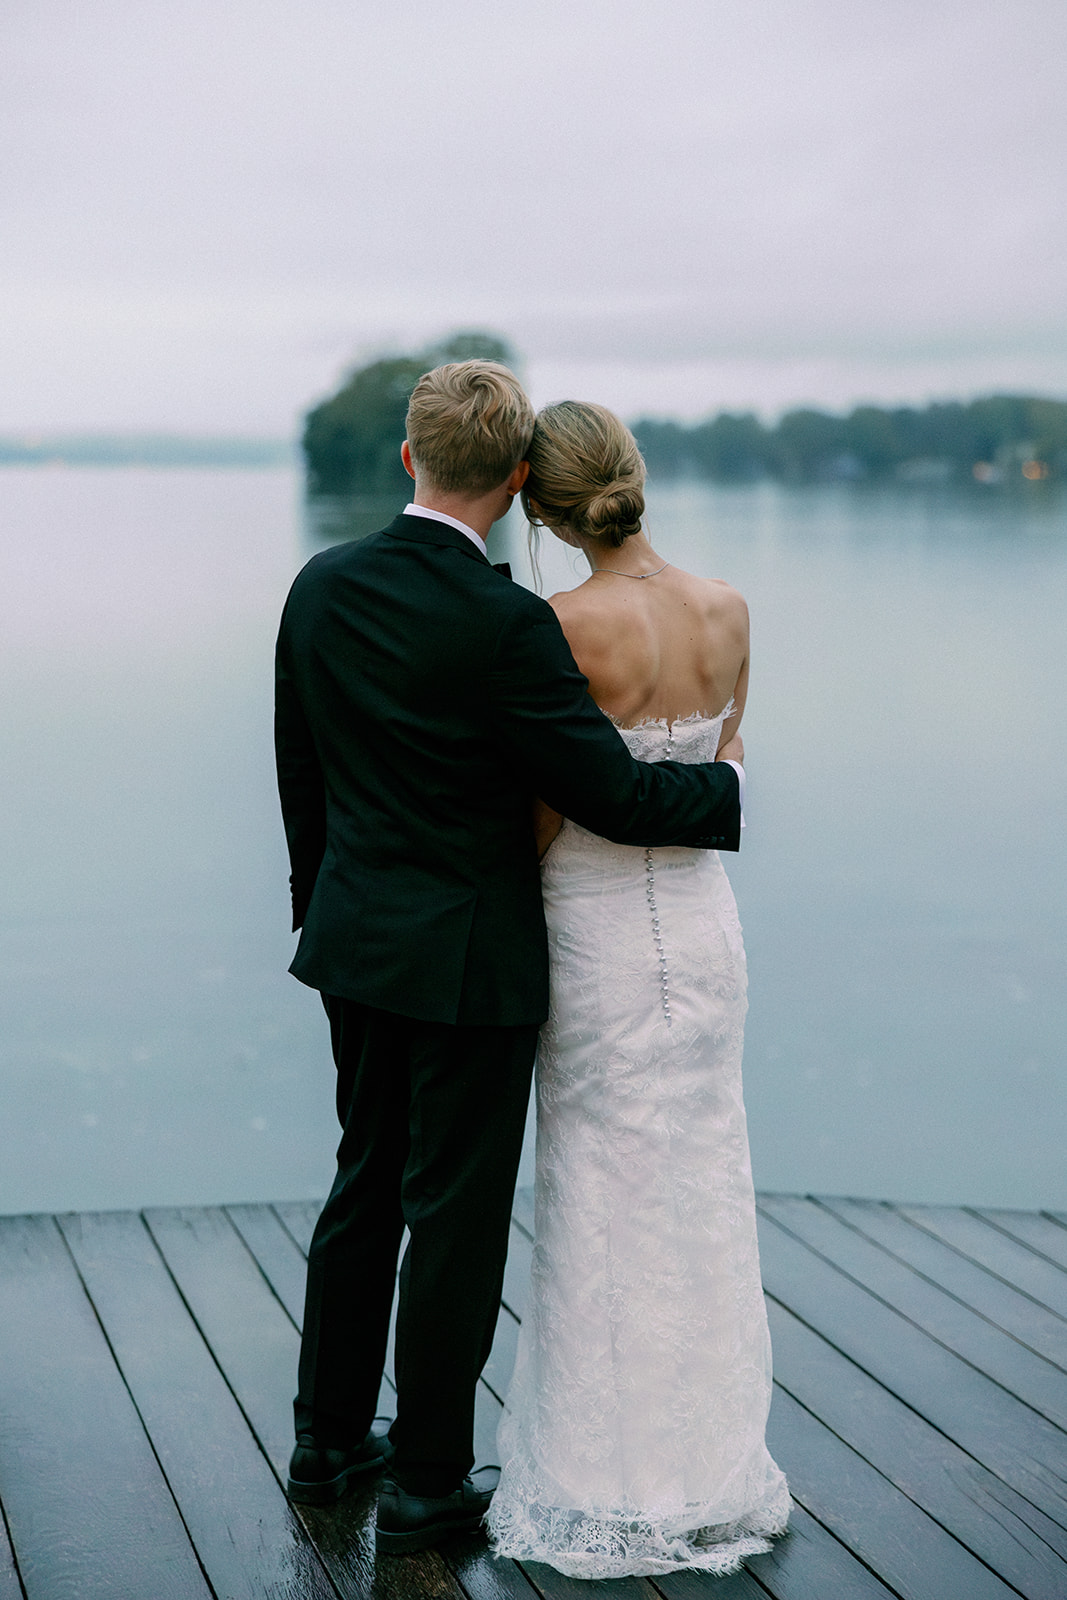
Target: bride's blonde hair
586	473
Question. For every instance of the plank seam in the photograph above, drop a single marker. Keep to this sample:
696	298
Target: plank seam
274	1209
14	1553
133	1401
650	1592
1024	1244
453	1566
974	1262
925	1332
754	1577
211	1352
901	1399
899	1488
506	1311
260	1268
974	1311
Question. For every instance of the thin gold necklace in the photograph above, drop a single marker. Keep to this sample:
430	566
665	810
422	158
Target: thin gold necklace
620	574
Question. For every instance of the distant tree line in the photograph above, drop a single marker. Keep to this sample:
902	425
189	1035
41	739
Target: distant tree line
352	440
993	440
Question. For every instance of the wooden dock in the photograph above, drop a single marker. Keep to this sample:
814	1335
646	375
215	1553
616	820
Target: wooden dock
147	1364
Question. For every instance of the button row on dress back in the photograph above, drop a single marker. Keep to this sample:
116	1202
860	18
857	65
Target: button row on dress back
650	891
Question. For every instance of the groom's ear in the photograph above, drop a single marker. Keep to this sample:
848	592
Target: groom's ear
518	477
405	456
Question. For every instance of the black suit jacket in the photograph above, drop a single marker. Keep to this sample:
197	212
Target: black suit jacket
423	699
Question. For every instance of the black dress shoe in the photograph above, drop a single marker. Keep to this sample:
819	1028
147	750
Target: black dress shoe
319	1475
408	1522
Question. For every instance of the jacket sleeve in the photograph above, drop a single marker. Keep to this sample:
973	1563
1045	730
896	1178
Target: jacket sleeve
300	785
572	756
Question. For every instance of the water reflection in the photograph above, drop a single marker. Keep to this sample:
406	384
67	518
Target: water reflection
337	519
1026	515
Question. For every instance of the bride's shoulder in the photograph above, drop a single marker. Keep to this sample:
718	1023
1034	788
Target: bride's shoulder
582	614
607	642
717	590
583	607
723	603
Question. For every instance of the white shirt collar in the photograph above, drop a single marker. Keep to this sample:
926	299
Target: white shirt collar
413	510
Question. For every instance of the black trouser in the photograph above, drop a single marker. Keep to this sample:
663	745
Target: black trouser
433	1119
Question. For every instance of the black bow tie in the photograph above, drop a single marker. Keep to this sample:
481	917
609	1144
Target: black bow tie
503	567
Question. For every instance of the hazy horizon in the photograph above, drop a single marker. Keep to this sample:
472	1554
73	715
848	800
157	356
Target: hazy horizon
212	212
222	434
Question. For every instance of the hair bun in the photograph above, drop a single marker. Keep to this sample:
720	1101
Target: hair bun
615	511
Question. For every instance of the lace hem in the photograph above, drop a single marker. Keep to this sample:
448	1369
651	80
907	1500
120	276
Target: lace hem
582	1545
679	722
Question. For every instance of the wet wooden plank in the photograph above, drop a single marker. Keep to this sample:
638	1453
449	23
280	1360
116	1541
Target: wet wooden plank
522	1211
247	1329
739	1585
517	1272
810	1564
487	1409
10	1587
877	1421
483	1578
912	1553
977	1508
501	1363
1001	1433
1041	1233
554	1586
992	1351
89	1511
280	1258
344	1534
1040	1330
300	1217
249	1541
254	1341
992	1249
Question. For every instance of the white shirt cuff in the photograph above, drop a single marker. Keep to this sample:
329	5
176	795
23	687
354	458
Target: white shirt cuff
739	769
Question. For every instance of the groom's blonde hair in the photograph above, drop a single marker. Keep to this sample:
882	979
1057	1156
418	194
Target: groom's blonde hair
469	425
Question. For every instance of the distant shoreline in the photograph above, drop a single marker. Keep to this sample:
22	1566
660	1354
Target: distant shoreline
145	450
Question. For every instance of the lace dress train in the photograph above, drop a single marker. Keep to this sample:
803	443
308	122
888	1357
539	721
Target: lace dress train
633	1437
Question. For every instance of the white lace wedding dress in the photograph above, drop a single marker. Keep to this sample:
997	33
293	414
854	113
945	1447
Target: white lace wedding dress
633	1438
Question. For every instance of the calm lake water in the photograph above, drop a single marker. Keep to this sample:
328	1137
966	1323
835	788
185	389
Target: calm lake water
902	881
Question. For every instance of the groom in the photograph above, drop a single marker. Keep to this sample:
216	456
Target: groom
423	700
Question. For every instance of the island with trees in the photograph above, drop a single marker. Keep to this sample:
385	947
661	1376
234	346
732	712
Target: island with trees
352	440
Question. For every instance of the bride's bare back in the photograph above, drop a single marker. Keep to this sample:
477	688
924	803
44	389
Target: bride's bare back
664	646
655	643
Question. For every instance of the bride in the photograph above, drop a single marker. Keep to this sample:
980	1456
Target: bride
633	1437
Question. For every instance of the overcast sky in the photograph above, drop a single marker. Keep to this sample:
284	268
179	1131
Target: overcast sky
210	208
